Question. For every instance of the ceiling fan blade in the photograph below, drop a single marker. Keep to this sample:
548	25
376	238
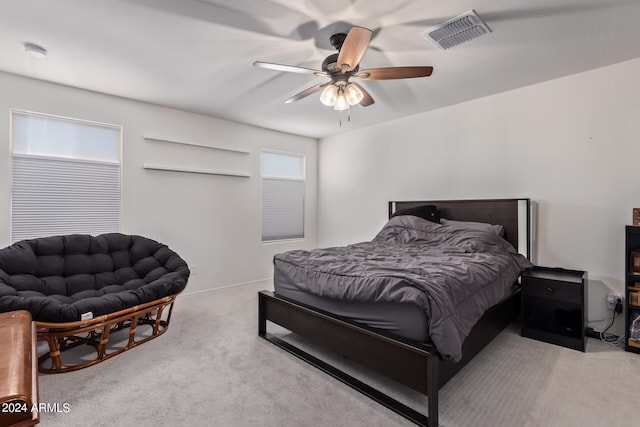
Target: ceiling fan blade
288	68
353	48
390	73
367	100
306	92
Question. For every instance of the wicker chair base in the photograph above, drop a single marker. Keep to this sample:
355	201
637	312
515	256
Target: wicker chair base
96	333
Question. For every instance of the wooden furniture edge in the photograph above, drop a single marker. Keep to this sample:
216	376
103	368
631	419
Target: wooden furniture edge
19	387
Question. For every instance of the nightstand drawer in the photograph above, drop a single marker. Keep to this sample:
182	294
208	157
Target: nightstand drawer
550	289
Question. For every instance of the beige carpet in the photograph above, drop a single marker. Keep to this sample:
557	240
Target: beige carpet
211	369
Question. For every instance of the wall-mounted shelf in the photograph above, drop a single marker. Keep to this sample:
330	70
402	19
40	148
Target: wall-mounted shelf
173	141
154	166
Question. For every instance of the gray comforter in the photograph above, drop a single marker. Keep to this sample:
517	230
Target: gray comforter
454	275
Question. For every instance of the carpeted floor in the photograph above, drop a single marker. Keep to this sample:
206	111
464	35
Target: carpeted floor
211	369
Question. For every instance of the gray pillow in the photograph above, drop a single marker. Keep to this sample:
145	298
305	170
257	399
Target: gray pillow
428	212
481	226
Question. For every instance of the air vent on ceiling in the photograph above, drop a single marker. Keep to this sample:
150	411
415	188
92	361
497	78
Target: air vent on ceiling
457	30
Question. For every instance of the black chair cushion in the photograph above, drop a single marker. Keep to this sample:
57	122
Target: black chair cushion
60	278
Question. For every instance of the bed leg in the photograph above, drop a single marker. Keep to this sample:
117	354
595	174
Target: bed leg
433	385
262	320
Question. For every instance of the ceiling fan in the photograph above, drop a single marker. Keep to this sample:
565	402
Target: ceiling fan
340	67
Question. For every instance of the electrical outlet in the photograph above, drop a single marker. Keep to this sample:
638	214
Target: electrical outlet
194	270
612	300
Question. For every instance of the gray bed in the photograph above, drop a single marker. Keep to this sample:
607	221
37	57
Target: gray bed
417	279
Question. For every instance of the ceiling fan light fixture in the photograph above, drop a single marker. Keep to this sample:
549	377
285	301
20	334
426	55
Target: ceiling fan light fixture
458	30
341	103
329	95
353	94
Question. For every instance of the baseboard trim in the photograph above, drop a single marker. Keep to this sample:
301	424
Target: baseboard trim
251	282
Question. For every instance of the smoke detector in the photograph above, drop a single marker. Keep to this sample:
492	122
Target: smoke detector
35	51
457	30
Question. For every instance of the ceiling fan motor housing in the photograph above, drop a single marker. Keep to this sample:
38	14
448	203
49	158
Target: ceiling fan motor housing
330	65
337	40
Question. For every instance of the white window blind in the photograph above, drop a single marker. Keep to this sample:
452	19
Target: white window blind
65	177
282	196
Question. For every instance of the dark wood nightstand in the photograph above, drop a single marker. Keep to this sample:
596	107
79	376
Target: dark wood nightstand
553	306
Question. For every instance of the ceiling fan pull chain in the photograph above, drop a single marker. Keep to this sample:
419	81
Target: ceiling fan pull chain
348	109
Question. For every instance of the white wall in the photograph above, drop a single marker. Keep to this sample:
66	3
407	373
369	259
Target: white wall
213	222
571	145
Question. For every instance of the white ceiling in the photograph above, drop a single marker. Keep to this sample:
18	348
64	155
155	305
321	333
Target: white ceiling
197	55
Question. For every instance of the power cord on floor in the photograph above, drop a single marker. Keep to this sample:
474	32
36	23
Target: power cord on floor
609	338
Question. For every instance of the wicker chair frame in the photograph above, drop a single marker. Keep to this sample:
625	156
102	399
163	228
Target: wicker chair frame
65	336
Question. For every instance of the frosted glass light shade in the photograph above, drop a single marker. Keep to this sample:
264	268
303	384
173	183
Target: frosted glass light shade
329	96
353	94
341	103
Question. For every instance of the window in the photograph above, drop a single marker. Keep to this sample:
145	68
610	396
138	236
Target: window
282	196
65	176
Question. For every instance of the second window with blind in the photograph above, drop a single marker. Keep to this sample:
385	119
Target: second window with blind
283	180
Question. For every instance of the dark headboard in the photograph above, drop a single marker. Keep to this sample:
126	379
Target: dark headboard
512	214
